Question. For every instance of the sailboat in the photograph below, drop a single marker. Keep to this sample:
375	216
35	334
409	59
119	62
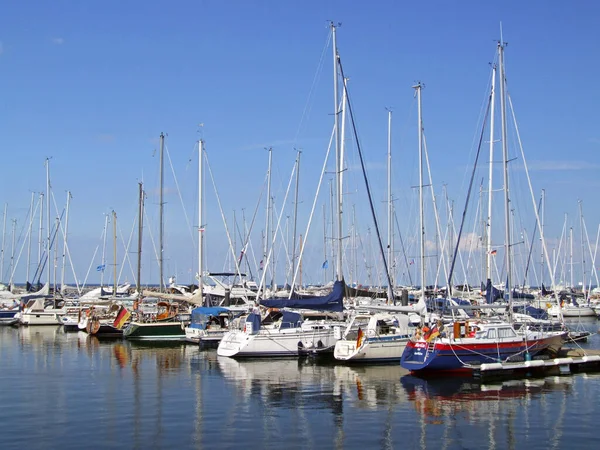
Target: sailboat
292	329
167	323
465	343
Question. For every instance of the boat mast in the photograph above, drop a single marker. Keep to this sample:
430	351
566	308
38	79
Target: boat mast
114	215
268	221
41	232
571	256
140	228
64	255
582	250
507	245
200	226
103	264
161	212
48	215
12	253
418	88
3	241
29	237
488	265
295	218
542	234
390	246
338	162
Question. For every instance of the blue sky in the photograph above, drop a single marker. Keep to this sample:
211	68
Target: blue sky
92	85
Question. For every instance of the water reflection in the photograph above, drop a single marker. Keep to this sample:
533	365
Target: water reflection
138	395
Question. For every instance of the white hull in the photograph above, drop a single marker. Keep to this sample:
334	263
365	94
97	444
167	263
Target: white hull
196	335
282	342
572	311
371	350
47	317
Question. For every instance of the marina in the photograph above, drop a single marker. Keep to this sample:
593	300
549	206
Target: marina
135	394
282	232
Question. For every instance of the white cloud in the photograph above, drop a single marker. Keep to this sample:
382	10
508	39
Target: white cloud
58	41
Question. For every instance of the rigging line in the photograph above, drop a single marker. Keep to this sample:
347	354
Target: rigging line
237	266
187	220
535	227
403	248
537	217
306	110
464	214
362	163
312	211
249	230
276	231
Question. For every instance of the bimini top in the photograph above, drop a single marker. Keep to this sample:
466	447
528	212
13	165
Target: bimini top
332	302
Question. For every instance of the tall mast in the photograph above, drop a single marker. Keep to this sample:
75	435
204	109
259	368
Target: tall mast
338	162
41	231
3	242
295	217
103	265
542	234
12	253
48	214
571	256
29	237
325	244
507	246
582	250
54	259
64	255
488	265
268	220
418	88
161	213
390	245
114	214
200	218
140	228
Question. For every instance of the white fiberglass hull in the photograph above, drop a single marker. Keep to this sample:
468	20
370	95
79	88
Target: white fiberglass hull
371	350
270	343
47	317
572	311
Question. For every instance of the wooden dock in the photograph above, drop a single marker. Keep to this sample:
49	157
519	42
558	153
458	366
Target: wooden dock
567	362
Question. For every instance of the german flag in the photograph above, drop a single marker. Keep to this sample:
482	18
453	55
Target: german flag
359	337
122	317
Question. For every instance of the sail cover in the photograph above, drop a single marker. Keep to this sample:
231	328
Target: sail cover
331	302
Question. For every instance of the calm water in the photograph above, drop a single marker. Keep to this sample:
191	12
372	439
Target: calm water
67	390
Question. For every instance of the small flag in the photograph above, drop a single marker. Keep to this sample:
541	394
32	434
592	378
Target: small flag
261	265
121	318
101	268
326	264
493	252
412	261
359	337
201	229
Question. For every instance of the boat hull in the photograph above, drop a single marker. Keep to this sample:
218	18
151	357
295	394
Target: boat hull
274	343
155	331
445	355
384	349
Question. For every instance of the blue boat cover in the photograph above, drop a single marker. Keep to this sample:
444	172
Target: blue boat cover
201	315
254	319
491	293
332	302
536	313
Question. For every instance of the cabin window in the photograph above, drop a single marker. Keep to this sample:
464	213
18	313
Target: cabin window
481	335
491	334
505	333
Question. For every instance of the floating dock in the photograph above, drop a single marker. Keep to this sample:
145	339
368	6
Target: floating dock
568	361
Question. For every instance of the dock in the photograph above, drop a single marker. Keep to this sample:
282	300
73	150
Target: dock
567	362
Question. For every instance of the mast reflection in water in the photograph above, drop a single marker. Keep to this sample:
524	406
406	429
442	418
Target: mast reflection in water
67	390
